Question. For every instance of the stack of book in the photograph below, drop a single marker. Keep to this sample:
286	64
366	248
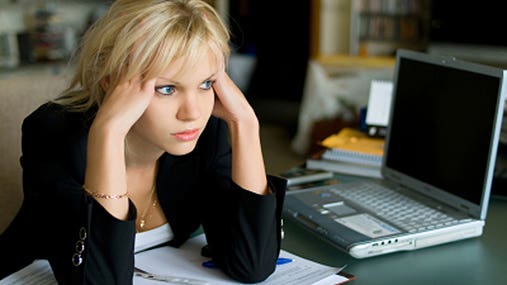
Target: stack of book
349	151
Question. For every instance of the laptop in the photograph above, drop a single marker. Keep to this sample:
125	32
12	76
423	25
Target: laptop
437	169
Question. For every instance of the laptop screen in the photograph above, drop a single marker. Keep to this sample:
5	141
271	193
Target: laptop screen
443	124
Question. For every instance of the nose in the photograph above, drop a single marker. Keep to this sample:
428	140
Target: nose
189	108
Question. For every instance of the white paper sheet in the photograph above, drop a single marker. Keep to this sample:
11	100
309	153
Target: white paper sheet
379	103
37	273
186	261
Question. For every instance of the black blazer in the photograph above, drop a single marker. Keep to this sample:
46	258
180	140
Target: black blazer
86	245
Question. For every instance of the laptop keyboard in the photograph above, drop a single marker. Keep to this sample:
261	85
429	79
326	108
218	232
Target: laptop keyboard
398	209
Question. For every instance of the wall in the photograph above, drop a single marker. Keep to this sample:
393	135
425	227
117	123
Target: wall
22	90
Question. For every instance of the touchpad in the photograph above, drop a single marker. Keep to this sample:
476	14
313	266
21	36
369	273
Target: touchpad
340	208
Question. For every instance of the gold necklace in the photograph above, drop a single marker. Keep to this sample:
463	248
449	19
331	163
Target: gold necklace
153	203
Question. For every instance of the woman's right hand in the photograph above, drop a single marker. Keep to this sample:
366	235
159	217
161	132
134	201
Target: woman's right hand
106	173
124	104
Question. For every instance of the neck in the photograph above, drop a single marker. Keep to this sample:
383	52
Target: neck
139	153
141	181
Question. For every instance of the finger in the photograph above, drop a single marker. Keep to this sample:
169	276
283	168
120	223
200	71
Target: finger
221	81
149	85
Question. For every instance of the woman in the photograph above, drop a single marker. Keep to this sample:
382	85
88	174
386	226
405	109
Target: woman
151	138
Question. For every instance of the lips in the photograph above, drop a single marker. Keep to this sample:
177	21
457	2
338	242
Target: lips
188	135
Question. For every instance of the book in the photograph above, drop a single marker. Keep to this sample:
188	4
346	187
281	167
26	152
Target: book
353	146
316	161
351	156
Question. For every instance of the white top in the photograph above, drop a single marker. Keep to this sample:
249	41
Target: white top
153	237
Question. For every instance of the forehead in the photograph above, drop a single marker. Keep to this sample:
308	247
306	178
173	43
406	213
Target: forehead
197	67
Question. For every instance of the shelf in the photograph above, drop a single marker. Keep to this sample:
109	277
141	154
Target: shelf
379	27
356	61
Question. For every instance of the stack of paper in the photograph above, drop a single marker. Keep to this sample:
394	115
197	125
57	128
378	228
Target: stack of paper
350	151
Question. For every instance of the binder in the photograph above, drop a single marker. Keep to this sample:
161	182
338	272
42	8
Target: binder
355	141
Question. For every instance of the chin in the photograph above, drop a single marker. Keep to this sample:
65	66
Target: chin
181	149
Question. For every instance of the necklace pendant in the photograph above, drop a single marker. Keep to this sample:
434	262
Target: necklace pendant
141	223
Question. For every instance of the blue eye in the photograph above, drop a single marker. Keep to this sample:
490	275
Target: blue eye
165	90
206	85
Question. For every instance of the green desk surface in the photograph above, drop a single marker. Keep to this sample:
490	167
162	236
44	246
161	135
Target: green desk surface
481	260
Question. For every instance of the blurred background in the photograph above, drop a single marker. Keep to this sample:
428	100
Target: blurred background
281	47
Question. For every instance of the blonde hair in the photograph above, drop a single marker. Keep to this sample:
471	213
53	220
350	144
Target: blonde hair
142	37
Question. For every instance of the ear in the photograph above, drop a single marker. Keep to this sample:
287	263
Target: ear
104	83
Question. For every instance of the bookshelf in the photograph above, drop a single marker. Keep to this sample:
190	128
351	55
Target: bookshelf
379	27
368	27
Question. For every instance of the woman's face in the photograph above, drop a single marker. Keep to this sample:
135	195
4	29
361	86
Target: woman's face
180	108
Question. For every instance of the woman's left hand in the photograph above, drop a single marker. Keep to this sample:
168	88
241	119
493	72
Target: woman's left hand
248	169
230	104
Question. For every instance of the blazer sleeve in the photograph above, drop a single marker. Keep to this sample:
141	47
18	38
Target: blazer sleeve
57	221
243	229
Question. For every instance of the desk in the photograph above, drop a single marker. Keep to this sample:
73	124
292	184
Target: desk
481	260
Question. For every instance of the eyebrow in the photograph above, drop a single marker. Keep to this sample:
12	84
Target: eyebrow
177	83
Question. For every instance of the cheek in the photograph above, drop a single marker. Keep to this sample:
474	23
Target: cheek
207	104
146	125
156	119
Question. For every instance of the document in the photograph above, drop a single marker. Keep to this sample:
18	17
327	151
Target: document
37	273
186	262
